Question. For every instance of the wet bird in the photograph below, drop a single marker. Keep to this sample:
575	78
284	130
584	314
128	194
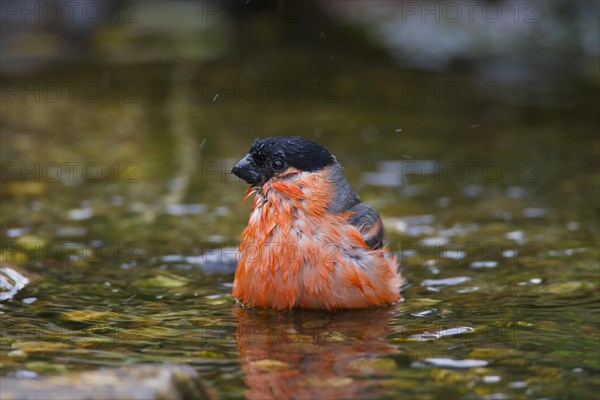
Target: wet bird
310	241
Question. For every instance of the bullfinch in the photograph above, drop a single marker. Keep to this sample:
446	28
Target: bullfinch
310	241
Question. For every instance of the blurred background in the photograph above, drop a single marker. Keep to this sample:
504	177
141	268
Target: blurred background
461	122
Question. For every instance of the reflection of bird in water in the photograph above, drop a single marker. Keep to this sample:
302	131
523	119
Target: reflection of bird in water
311	354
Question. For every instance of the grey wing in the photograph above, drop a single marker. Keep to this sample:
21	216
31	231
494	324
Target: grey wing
369	223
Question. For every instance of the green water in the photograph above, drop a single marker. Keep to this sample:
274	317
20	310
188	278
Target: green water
497	234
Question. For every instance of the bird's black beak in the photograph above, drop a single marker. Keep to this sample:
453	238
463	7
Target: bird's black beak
247	170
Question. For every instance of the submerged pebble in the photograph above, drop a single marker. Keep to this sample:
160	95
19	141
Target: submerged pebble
270	365
163	280
11	281
566	287
161	381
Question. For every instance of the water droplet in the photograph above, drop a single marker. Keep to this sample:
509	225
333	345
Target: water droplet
484	264
448	362
183	209
25	374
435	241
16	232
566	252
426	313
516	192
434	270
446	282
518	384
509	253
453	254
473	191
444	202
492	378
79	214
172	258
515	235
534	212
468	289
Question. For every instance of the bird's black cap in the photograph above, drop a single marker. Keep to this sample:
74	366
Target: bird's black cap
274	154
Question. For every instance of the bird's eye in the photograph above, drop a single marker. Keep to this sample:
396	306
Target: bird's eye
277	165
